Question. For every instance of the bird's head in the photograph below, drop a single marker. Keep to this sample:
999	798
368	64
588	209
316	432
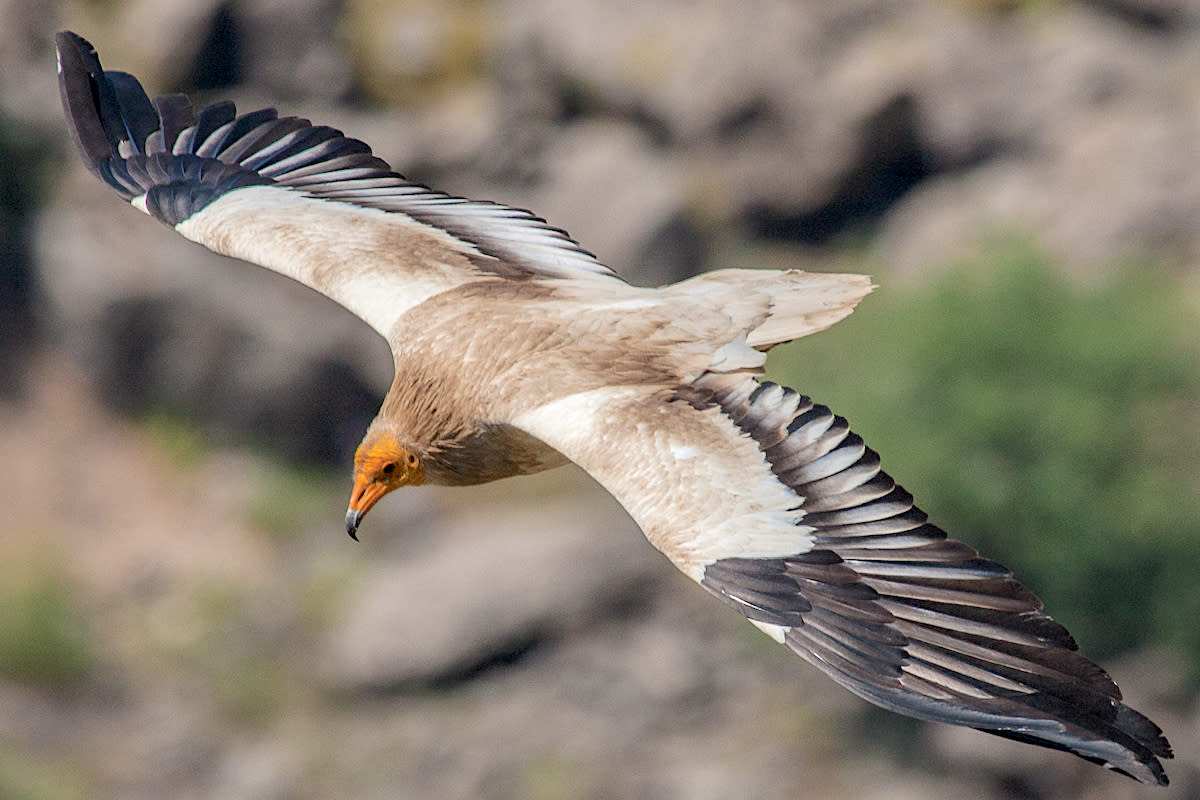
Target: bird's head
381	464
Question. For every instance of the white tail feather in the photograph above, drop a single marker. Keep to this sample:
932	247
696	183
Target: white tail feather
777	306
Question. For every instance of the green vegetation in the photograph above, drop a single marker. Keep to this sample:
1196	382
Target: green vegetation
235	648
29	776
43	641
549	778
1053	427
180	437
289	498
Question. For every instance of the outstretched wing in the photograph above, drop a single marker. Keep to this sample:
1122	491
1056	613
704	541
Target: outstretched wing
772	504
298	198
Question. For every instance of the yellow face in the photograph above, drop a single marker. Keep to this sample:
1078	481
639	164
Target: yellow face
381	464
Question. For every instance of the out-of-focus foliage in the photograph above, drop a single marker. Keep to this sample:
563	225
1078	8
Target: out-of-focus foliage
42	638
29	777
442	44
1054	427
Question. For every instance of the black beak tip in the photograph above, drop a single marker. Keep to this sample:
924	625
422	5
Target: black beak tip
352	518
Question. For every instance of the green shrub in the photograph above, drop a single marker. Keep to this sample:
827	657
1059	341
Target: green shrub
178	436
1055	428
291	500
43	638
31	776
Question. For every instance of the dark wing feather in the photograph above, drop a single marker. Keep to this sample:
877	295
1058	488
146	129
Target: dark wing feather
132	143
898	613
175	115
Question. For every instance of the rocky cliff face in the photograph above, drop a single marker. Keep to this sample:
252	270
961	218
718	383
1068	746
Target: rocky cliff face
667	138
238	653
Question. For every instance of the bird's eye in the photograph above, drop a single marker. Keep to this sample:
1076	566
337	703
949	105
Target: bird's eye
412	460
389	468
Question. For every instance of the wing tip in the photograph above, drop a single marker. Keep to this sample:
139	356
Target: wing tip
108	113
78	70
980	651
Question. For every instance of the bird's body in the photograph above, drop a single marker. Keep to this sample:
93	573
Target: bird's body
516	351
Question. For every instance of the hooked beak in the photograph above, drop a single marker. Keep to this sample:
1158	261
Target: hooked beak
352	518
364	495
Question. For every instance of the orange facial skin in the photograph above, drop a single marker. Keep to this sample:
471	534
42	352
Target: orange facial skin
381	464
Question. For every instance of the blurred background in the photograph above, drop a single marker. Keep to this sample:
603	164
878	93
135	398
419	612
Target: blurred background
181	613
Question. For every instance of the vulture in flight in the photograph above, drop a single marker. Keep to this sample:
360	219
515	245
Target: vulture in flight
517	351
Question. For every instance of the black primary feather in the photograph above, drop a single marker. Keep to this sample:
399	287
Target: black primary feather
892	609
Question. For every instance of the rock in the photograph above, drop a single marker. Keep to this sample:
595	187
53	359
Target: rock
883	781
286	50
1067	128
650	142
28	88
690	74
1156	16
413	50
949	217
159	42
1051	773
764	131
619	198
492	590
21	327
262	770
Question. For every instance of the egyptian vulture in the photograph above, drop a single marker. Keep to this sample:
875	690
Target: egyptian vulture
517	351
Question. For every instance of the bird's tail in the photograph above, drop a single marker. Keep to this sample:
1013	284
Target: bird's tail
778	306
